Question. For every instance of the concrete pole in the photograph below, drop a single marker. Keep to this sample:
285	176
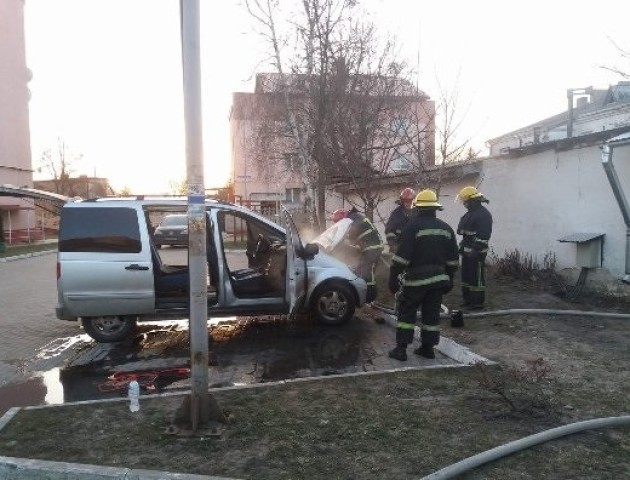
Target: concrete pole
197	261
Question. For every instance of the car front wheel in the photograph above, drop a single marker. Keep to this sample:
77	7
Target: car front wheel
333	303
109	328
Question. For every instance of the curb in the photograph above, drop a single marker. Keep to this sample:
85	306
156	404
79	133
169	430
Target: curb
448	347
20	468
27	255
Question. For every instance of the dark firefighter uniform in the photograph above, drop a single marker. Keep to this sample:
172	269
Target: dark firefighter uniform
422	270
399	218
393	228
364	235
475	227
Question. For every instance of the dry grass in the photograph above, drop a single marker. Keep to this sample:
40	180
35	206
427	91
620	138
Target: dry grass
402	425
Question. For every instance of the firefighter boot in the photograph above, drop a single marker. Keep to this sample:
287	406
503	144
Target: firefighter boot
425	351
399	353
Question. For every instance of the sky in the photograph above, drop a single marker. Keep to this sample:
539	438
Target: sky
107	76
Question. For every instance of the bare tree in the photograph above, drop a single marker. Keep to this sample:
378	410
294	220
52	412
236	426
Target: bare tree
59	164
371	102
624	54
301	86
433	137
328	114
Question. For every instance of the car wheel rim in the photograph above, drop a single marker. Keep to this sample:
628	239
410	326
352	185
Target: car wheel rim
108	325
332	305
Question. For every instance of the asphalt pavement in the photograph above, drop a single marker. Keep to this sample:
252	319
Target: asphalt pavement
29	330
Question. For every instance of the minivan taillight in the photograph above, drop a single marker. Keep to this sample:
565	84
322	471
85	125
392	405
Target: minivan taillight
58	270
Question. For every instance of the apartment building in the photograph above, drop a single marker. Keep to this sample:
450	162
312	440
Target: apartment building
15	150
266	166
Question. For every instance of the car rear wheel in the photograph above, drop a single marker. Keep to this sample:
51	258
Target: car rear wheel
333	303
109	328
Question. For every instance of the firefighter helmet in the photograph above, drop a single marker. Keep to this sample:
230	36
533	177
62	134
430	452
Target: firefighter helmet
338	214
426	199
468	193
407	195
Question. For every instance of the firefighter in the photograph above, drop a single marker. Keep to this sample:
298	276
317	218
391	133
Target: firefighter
421	272
475	227
364	236
399	218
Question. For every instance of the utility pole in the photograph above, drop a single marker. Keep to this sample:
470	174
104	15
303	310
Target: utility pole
197	263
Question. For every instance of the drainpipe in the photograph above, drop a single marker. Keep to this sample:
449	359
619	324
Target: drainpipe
611	173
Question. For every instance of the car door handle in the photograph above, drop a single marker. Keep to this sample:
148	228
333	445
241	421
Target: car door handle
135	266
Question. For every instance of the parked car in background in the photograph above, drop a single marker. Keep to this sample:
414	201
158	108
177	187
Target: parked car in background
173	231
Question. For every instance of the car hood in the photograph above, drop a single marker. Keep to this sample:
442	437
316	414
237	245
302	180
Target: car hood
326	260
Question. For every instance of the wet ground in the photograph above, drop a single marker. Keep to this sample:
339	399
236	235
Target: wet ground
70	366
244	350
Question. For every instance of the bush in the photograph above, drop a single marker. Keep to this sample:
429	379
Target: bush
523	389
523	266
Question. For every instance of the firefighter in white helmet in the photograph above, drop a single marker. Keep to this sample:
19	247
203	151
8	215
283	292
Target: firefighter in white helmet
475	227
399	218
421	272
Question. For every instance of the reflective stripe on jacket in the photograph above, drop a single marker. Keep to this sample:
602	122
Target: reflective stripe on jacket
363	233
475	227
427	254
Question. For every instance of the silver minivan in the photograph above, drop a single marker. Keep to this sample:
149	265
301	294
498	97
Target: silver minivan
110	274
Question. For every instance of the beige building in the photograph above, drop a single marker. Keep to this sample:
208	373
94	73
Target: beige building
277	177
15	150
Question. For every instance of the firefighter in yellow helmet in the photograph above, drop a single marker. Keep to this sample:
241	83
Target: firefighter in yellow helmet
399	218
475	227
421	272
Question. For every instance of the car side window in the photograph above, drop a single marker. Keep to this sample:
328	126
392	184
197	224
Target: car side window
239	232
99	229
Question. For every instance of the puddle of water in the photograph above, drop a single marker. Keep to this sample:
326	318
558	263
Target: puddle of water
43	389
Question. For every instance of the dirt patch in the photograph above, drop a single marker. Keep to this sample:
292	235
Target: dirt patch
390	426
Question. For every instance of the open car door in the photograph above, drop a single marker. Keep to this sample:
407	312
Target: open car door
296	276
49	201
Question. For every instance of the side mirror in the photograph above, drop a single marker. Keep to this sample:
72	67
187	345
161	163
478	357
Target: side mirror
309	251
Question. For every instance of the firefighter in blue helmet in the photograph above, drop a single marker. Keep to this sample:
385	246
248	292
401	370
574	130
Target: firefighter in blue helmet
364	236
421	272
399	218
475	227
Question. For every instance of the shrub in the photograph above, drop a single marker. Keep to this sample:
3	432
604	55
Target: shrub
523	389
523	265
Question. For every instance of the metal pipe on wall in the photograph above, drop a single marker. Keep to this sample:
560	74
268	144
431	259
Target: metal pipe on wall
622	201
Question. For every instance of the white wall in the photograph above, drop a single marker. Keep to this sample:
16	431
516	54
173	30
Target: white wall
539	199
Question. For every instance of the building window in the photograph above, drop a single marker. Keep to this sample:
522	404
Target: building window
293	195
292	161
400	126
401	164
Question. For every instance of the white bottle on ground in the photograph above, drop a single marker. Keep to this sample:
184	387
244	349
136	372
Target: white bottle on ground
134	396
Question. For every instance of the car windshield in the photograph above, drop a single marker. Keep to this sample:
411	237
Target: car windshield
173	220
